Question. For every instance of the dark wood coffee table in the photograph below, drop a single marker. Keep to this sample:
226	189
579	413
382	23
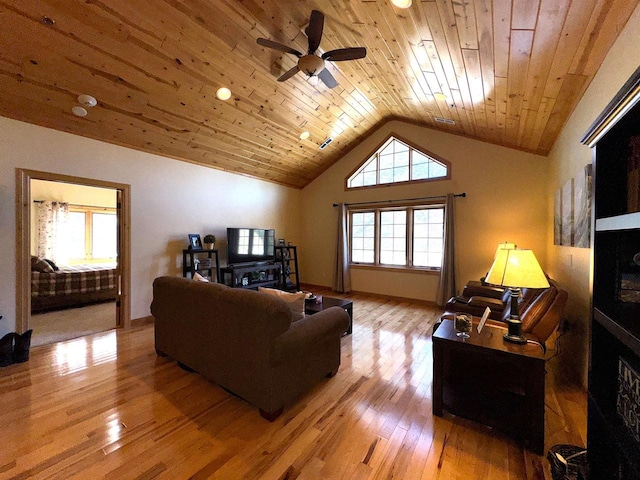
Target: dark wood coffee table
486	379
327	302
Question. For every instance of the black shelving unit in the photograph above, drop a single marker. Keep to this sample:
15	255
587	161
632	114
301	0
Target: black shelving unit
203	261
613	432
288	257
252	276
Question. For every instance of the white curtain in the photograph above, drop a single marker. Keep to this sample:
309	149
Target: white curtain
341	275
447	284
53	231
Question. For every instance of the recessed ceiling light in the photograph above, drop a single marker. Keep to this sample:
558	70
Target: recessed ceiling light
79	111
87	100
440	96
223	93
401	3
304	135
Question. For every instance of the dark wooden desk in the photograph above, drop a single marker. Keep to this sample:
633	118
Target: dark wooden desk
486	379
311	308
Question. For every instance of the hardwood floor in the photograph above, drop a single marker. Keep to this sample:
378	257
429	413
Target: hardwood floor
105	406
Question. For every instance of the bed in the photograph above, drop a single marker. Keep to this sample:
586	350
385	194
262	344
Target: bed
72	286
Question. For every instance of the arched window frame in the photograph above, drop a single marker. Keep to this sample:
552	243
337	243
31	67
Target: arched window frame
375	155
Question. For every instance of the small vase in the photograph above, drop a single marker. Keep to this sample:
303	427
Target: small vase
209	246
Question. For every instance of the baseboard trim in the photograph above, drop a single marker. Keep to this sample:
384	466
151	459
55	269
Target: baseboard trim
139	322
329	290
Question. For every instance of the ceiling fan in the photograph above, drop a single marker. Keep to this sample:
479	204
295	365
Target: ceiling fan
312	64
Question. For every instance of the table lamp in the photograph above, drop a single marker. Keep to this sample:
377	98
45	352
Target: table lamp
504	246
516	269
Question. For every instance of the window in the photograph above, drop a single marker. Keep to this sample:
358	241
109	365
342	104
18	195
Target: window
401	236
94	234
396	161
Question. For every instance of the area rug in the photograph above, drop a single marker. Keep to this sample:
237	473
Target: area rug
62	325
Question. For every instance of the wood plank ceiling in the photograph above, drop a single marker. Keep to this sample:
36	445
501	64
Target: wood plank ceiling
512	71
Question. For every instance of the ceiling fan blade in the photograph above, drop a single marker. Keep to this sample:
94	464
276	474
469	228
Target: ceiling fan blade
327	78
345	54
314	30
278	46
288	74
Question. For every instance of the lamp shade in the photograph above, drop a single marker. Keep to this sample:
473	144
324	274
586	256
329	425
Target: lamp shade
504	246
516	268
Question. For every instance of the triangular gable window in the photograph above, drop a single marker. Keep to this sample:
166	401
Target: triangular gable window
397	161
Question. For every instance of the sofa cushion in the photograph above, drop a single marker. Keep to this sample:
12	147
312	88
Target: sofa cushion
294	300
40	265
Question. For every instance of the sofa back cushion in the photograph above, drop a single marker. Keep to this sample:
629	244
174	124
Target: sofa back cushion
208	323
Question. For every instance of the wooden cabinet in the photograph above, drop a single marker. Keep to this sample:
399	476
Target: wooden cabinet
613	434
203	261
287	255
253	276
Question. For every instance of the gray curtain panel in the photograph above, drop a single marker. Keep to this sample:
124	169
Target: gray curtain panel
447	285
341	274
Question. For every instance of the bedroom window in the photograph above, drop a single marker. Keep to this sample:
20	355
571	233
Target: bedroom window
397	237
397	161
94	233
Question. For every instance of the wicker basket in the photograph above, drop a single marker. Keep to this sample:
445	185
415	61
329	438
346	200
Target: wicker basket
568	462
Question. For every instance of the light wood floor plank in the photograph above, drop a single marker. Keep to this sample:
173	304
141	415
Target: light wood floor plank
105	406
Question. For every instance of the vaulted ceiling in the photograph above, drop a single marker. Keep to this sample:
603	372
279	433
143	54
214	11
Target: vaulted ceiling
511	71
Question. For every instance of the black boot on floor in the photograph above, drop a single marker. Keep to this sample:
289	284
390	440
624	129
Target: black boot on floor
21	348
6	349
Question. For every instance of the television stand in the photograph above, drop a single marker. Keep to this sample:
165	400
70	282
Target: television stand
252	276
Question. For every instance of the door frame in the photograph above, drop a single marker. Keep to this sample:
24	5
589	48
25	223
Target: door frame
23	242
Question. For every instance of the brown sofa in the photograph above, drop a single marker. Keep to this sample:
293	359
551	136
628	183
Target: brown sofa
245	341
540	309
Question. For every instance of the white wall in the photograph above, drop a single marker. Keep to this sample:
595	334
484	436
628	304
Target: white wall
572	266
169	199
506	201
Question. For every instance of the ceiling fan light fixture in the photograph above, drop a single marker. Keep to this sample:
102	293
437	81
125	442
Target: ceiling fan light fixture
223	93
401	3
304	135
311	64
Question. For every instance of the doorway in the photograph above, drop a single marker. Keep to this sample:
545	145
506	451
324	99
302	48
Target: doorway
117	307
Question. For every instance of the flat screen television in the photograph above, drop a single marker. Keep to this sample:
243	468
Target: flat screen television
250	245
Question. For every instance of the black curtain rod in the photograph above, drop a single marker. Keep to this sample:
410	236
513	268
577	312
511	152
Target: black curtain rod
463	194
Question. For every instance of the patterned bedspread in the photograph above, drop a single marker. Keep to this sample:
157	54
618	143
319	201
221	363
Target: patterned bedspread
72	280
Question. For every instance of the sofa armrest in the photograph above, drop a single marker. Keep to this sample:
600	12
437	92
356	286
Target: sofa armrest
306	334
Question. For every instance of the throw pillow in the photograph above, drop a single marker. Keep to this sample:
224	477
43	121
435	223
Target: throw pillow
294	300
39	265
199	278
53	265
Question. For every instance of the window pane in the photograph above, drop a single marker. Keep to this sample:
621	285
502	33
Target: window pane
371	166
104	235
419	172
401	159
437	170
76	248
400	147
427	237
393	225
386	176
386	161
362	237
401	174
357	181
369	178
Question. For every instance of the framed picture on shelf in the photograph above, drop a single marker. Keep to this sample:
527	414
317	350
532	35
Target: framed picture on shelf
281	242
194	241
